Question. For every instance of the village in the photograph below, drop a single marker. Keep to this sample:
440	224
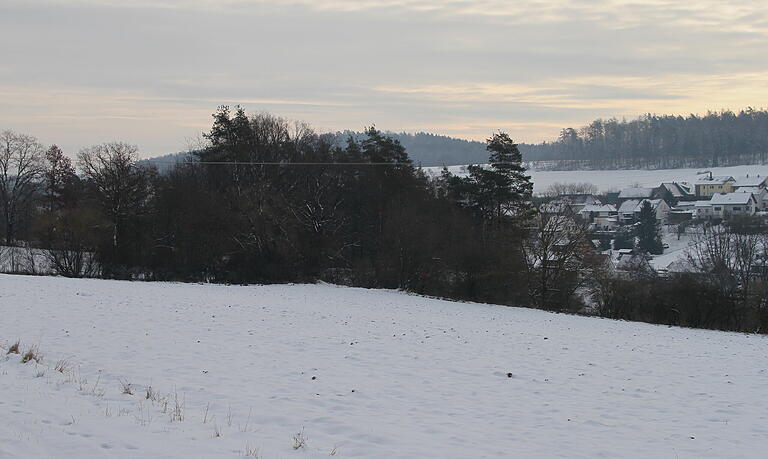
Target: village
681	209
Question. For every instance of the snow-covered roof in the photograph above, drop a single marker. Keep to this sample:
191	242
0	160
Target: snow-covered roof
629	206
716	180
731	198
598	208
755	181
677	190
634	205
680	265
751	189
702	204
633	193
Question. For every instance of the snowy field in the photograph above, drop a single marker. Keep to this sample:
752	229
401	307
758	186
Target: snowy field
360	373
615	180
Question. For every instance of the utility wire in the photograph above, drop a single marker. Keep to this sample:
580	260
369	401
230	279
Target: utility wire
265	163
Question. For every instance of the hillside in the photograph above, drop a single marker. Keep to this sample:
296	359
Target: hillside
431	149
359	373
648	142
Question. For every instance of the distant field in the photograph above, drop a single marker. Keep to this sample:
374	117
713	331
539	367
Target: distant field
618	179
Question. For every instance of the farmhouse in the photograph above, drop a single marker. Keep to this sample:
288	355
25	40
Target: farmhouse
755	181
629	211
760	194
708	185
678	191
731	204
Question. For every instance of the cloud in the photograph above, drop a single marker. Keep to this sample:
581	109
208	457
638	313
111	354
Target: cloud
81	71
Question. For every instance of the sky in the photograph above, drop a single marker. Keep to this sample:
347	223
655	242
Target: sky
83	72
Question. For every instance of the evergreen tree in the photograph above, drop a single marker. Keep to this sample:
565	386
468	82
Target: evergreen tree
503	190
624	239
513	187
649	230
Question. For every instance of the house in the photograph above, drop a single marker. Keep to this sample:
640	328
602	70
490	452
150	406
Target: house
760	194
605	223
680	215
576	202
589	212
629	211
709	185
702	210
637	193
678	191
626	211
732	204
754	181
601	217
635	264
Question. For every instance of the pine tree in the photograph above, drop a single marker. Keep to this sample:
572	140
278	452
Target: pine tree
623	239
498	192
649	230
509	186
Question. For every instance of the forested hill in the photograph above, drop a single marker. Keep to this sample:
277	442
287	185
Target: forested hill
431	149
651	141
423	148
660	141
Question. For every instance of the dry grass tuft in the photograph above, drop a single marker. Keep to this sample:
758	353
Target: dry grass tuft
127	388
15	348
251	452
177	411
61	365
299	440
32	354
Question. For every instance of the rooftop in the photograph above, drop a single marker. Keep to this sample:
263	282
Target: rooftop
731	198
598	208
677	190
716	180
633	193
750	189
634	205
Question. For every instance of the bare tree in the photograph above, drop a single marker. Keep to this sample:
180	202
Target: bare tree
21	166
727	259
554	253
559	189
122	186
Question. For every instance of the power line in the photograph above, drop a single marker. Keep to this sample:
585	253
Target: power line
266	163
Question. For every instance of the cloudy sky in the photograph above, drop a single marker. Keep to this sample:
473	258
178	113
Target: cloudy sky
151	72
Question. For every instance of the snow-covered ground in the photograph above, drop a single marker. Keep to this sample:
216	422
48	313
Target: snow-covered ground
615	180
363	373
676	252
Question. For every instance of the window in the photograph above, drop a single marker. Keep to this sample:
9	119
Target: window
736	208
718	209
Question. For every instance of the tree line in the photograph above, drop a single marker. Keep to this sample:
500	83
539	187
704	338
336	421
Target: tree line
267	201
721	138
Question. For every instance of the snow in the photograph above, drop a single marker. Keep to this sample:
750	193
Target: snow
616	180
731	198
676	252
634	193
371	373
